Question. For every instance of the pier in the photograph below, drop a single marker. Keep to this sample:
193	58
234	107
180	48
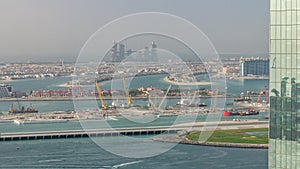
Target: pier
42	135
157	130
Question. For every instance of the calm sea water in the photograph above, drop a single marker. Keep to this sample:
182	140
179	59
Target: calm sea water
234	86
83	153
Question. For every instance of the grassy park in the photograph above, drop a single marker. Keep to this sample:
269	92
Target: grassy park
246	136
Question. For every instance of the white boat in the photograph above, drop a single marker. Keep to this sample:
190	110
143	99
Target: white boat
18	122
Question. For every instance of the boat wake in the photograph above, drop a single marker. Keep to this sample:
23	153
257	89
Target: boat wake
50	160
112	118
125	164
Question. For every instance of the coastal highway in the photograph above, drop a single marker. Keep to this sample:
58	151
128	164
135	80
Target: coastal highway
198	126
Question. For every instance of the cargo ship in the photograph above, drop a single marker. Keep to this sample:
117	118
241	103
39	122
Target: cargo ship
241	113
22	109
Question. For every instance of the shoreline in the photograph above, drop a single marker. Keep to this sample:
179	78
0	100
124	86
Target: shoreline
86	98
181	138
178	139
215	144
253	78
166	79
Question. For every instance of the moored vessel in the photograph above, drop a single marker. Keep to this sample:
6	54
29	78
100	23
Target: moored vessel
22	109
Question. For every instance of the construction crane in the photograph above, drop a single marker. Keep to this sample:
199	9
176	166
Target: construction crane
259	96
215	100
128	96
251	99
254	107
99	91
164	98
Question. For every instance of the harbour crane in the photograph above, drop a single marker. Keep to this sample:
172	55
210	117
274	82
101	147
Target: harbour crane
128	96
164	98
254	107
99	91
259	96
251	99
215	100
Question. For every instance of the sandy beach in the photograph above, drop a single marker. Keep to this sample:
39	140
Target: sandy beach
166	79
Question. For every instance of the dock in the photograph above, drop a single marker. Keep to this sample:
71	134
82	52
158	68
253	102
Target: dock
136	131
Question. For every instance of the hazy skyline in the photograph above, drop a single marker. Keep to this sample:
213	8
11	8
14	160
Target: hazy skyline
47	30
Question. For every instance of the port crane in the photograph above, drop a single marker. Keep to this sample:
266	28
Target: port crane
215	100
251	99
128	96
99	91
253	106
164	98
258	100
259	96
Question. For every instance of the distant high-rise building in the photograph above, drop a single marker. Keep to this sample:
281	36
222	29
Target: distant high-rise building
121	48
146	53
284	150
129	52
5	90
153	51
153	45
118	52
114	51
254	66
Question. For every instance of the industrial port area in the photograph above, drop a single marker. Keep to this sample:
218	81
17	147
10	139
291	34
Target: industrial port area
143	90
85	84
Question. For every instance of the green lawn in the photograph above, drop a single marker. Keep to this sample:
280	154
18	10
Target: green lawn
235	136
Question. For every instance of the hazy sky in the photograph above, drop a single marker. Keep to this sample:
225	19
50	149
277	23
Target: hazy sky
47	30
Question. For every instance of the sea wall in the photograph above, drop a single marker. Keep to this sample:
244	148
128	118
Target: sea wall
214	144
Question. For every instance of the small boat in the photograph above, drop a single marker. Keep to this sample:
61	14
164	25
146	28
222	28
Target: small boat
18	122
229	104
202	105
227	113
184	102
242	99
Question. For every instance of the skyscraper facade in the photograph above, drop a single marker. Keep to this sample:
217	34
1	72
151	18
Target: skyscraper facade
5	90
284	150
254	66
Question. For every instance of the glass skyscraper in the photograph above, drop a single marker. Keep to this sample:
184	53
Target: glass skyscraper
284	151
254	66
